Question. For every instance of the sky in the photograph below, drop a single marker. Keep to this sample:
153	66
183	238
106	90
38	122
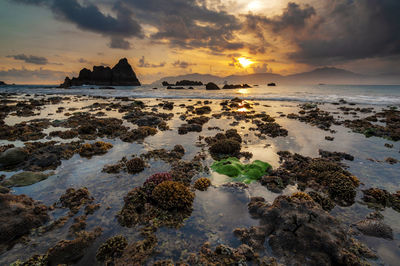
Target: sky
42	41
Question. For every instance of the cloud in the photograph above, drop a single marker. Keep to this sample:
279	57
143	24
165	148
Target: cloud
182	64
119	43
143	63
352	30
82	60
262	68
187	24
90	18
336	32
33	76
30	59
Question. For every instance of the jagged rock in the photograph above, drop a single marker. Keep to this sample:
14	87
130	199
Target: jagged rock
121	74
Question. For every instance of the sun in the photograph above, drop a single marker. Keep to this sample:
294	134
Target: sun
254	6
245	62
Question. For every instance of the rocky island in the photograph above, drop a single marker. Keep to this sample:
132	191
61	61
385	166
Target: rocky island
121	74
2	83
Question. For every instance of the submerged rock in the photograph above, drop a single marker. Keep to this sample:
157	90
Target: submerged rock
226	255
71	251
375	227
25	179
380	198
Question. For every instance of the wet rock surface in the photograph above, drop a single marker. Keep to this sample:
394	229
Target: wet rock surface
325	175
297	229
18	215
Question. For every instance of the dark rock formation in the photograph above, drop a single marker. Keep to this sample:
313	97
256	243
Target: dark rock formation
212	86
2	83
183	83
121	74
271	84
235	86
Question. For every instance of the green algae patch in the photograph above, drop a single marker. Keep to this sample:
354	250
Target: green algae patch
245	173
25	179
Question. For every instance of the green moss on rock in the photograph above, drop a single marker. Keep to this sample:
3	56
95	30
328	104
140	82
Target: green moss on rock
245	173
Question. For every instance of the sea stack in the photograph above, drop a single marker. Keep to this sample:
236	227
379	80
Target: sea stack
121	74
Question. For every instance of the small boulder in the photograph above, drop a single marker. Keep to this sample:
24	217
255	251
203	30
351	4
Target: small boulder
212	86
13	157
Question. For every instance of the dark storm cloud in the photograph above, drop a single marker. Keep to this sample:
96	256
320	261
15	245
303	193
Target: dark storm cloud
294	17
363	29
143	63
182	64
30	59
336	32
188	23
119	43
185	24
90	18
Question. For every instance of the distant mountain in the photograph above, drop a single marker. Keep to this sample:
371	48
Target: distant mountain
330	75
325	75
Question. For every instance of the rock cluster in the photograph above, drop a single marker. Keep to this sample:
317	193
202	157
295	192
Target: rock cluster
301	233
121	74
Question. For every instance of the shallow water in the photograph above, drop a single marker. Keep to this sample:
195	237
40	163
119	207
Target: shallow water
218	210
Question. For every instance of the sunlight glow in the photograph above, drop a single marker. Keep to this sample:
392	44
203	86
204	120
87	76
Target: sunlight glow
245	62
254	6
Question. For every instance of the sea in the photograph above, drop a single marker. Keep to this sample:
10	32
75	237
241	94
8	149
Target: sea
359	94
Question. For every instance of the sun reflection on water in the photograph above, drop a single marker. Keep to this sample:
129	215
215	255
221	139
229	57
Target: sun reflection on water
243	91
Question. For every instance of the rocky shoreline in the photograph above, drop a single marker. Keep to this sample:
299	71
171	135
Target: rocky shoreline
161	187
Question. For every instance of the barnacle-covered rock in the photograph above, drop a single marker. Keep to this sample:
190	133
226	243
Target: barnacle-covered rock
97	148
202	184
135	165
74	199
112	248
155	180
173	195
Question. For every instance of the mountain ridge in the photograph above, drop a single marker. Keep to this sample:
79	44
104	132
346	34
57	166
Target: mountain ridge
325	75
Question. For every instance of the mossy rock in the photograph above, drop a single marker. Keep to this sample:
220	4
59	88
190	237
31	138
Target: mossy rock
245	173
25	179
